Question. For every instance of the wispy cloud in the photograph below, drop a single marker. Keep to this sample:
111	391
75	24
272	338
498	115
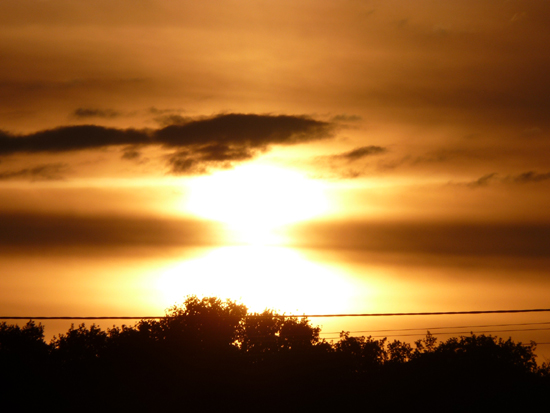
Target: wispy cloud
350	164
84	113
483	181
531	176
46	172
359	153
346	118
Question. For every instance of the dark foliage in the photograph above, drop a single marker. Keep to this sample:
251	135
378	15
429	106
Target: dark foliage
212	354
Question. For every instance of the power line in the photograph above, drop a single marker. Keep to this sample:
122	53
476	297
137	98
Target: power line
455	332
439	328
424	329
538	310
81	318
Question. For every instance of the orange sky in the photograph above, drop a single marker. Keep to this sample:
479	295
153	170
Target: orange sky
311	156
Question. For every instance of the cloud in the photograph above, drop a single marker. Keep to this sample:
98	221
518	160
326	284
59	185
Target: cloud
198	144
360	153
454	154
95	113
46	172
70	138
225	139
530	177
218	153
171	119
250	130
461	239
483	181
345	165
60	232
523	178
131	152
346	118
469	156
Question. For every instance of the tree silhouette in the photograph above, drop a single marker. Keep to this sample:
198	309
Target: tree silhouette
489	352
198	326
399	352
22	344
23	364
79	345
297	334
425	345
213	354
261	334
359	353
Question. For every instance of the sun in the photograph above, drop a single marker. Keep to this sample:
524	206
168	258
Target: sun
254	200
259	276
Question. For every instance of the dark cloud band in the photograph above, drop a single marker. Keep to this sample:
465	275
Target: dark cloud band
34	232
71	138
45	172
254	131
197	143
460	239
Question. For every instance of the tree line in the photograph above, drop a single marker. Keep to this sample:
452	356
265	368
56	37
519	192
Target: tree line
209	353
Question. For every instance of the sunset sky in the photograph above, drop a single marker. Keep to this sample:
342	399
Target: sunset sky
308	156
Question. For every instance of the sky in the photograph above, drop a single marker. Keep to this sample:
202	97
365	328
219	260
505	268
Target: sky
313	157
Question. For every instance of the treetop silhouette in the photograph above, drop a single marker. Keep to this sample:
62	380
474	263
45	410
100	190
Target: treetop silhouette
208	349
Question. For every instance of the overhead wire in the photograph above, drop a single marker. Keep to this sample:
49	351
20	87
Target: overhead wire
289	315
453	332
399	332
441	328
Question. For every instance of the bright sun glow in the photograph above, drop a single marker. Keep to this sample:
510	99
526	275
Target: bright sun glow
254	200
259	277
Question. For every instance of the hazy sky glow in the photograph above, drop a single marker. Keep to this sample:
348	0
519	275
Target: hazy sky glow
310	156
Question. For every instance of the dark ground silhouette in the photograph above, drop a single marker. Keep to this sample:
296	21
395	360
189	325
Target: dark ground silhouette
211	355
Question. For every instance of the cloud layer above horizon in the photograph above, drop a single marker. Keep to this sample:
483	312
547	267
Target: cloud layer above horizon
424	124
